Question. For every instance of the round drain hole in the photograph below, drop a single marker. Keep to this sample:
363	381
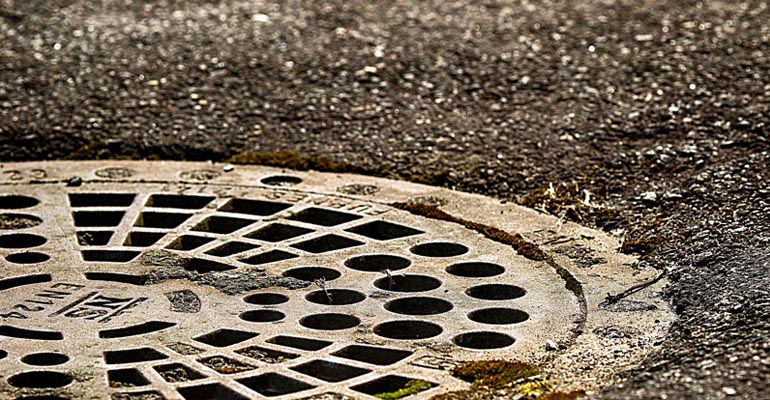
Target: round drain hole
30	257
19	221
483	340
40	379
21	240
377	263
439	249
335	297
266	298
496	292
498	316
329	322
310	274
475	269
14	202
418	306
262	316
281	180
45	359
406	330
407	283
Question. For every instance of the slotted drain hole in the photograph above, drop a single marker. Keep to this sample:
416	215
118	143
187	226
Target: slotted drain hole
273	384
329	371
177	372
266	355
389	384
300	343
128	377
209	391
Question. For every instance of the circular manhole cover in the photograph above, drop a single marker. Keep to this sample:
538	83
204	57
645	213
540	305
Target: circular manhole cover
174	280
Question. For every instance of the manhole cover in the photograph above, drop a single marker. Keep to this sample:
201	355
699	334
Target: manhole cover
183	281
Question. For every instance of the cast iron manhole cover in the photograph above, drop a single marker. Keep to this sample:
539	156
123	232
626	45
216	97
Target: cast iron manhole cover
183	281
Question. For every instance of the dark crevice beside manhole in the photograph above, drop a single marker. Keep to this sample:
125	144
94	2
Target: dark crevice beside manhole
201	283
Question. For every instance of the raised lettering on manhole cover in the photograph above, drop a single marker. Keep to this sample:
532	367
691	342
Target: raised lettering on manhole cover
195	284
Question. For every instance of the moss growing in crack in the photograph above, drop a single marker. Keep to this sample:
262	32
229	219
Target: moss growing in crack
563	395
500	378
494	373
101	151
440	178
534	389
294	160
412	387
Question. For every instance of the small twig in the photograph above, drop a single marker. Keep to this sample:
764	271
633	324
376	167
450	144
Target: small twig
612	299
321	283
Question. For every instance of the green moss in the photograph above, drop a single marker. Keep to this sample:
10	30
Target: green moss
517	379
534	389
494	373
294	160
440	178
101	151
412	387
563	396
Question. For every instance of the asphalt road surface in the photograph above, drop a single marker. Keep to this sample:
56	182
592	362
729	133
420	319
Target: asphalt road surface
658	111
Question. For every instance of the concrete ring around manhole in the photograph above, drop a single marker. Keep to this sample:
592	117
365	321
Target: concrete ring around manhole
191	281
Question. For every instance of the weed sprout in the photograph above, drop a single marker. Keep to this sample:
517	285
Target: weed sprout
321	283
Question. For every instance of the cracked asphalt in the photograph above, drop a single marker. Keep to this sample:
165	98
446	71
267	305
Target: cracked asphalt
655	113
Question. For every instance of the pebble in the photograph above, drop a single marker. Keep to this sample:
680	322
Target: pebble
671	195
649	197
729	391
228	168
74	181
550	345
